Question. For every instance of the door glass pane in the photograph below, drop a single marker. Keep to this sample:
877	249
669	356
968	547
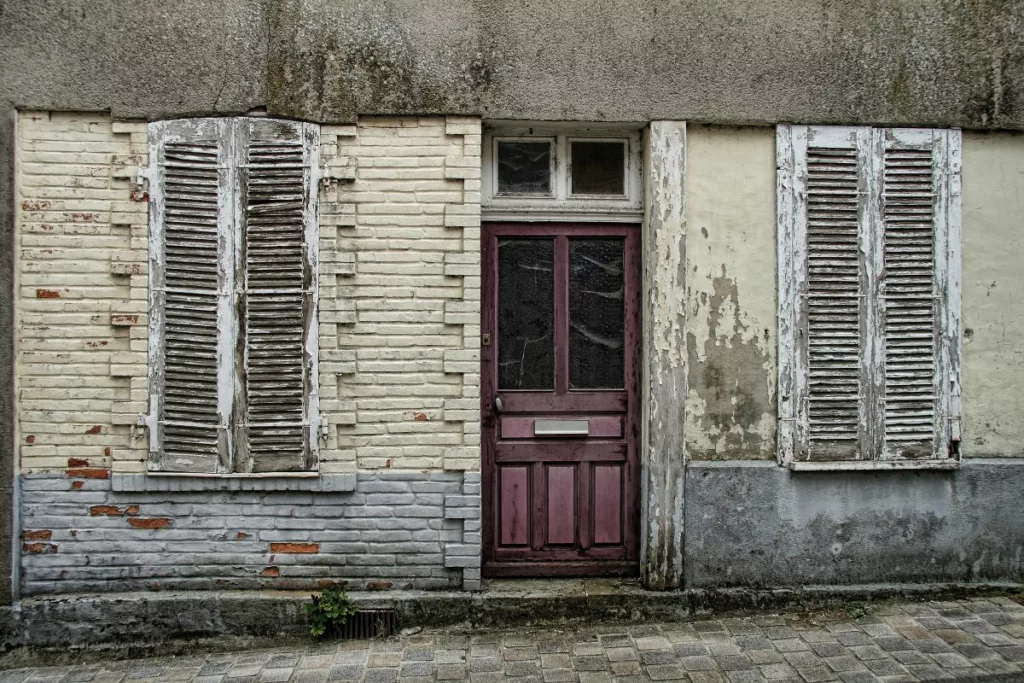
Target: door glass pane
526	314
524	167
596	314
598	167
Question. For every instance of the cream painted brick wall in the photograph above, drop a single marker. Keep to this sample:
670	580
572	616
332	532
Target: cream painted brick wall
399	291
401	347
81	310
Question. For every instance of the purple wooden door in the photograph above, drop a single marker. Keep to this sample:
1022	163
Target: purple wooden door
560	364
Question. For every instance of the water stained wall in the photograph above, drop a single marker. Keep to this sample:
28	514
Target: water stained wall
730	294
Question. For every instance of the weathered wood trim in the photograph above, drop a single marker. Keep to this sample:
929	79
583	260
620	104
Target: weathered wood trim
871	172
311	143
874	465
952	334
786	280
664	344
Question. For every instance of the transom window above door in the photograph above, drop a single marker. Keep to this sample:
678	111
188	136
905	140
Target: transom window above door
540	172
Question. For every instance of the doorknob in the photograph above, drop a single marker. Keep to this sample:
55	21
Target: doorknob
497	403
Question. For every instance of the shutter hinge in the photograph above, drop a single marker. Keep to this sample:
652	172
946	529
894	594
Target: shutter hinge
324	431
139	192
144	423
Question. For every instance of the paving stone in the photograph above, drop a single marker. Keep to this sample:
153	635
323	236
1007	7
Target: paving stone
653	643
682	634
765	656
518	654
779	632
709	626
591	663
803	660
745	676
997	665
621	654
753	643
929	672
485	664
817	674
817	636
665	672
886	667
868	652
659	657
645	630
707	677
932	645
791	645
278	675
559	675
416	669
374	675
384	660
595	677
556	661
1014	653
486	677
777	671
697	663
858	677
616	640
734	663
830	649
522	669
625	668
846	663
311	675
587	649
849	638
451	672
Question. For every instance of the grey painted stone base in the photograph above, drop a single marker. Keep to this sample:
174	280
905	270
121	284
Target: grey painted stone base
156	623
395	530
756	524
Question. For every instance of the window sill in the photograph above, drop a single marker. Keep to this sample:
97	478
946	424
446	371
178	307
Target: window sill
283	481
874	465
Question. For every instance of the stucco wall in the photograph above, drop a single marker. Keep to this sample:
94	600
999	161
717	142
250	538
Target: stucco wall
993	294
731	308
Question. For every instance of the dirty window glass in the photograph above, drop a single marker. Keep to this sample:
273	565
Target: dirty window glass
524	167
526	314
598	167
596	314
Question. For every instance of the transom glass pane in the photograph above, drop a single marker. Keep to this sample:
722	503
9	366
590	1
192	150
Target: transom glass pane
598	167
524	167
526	314
596	319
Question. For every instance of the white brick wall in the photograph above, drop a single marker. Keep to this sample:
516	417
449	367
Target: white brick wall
400	294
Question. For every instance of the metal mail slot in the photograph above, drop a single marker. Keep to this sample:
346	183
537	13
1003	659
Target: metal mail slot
561	427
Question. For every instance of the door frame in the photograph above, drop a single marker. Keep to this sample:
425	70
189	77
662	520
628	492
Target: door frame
633	359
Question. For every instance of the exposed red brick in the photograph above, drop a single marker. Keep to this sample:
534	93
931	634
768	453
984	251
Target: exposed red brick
89	473
121	319
95	429
330	583
35	205
138	196
30	439
241	536
36	535
131	510
299	548
82	216
149	522
108	510
420	417
77	462
47	294
106	451
271	572
38	548
378	585
77	484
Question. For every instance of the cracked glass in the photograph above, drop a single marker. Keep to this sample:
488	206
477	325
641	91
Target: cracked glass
526	314
596	319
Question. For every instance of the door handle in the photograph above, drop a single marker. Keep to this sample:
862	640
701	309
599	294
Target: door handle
497	404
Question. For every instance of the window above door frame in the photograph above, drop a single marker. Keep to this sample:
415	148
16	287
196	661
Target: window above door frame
559	205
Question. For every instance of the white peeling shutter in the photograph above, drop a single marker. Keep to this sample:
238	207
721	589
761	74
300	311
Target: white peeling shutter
190	296
914	298
824	255
278	161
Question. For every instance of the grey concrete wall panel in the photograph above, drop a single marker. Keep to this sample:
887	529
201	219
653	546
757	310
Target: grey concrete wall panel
756	524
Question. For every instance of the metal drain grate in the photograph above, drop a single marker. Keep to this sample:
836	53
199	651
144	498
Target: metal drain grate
369	623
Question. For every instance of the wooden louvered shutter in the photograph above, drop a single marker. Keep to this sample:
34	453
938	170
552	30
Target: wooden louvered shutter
825	275
915	286
191	280
277	205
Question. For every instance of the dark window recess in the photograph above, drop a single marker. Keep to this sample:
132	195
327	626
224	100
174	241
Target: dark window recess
598	168
526	280
595	314
524	167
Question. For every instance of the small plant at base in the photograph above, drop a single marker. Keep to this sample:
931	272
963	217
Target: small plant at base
329	611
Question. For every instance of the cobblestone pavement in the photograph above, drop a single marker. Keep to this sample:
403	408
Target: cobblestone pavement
977	639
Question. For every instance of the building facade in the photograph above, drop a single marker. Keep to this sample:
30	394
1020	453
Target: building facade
316	295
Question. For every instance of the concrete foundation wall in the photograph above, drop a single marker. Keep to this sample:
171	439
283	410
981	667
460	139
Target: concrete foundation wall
756	524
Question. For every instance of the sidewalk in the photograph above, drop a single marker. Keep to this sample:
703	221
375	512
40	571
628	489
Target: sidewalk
980	639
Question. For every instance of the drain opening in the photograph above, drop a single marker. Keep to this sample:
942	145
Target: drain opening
369	623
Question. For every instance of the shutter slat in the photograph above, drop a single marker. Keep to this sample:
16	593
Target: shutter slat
277	303
833	303
910	334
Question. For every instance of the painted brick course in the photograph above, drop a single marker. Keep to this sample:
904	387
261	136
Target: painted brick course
399	374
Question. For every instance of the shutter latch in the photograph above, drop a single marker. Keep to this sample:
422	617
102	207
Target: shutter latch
139	193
